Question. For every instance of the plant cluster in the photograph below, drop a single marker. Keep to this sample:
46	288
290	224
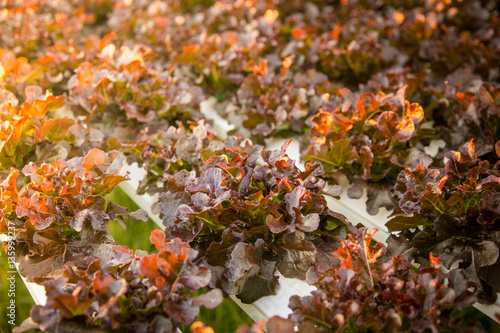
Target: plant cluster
30	27
27	133
116	88
474	111
60	221
249	220
405	300
61	215
165	153
373	292
221	45
125	291
369	141
458	209
123	92
365	86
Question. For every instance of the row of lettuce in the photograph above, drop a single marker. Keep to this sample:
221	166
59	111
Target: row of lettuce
364	86
236	214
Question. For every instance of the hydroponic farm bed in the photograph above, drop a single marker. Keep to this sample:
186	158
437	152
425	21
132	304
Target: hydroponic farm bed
266	140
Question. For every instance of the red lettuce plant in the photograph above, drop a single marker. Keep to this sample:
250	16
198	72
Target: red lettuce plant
29	27
53	69
27	133
458	209
248	220
165	153
375	292
474	113
270	103
61	214
223	41
368	142
35	131
123	93
126	292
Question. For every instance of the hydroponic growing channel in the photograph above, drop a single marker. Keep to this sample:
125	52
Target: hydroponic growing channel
263	141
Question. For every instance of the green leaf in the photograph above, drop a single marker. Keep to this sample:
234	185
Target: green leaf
400	223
